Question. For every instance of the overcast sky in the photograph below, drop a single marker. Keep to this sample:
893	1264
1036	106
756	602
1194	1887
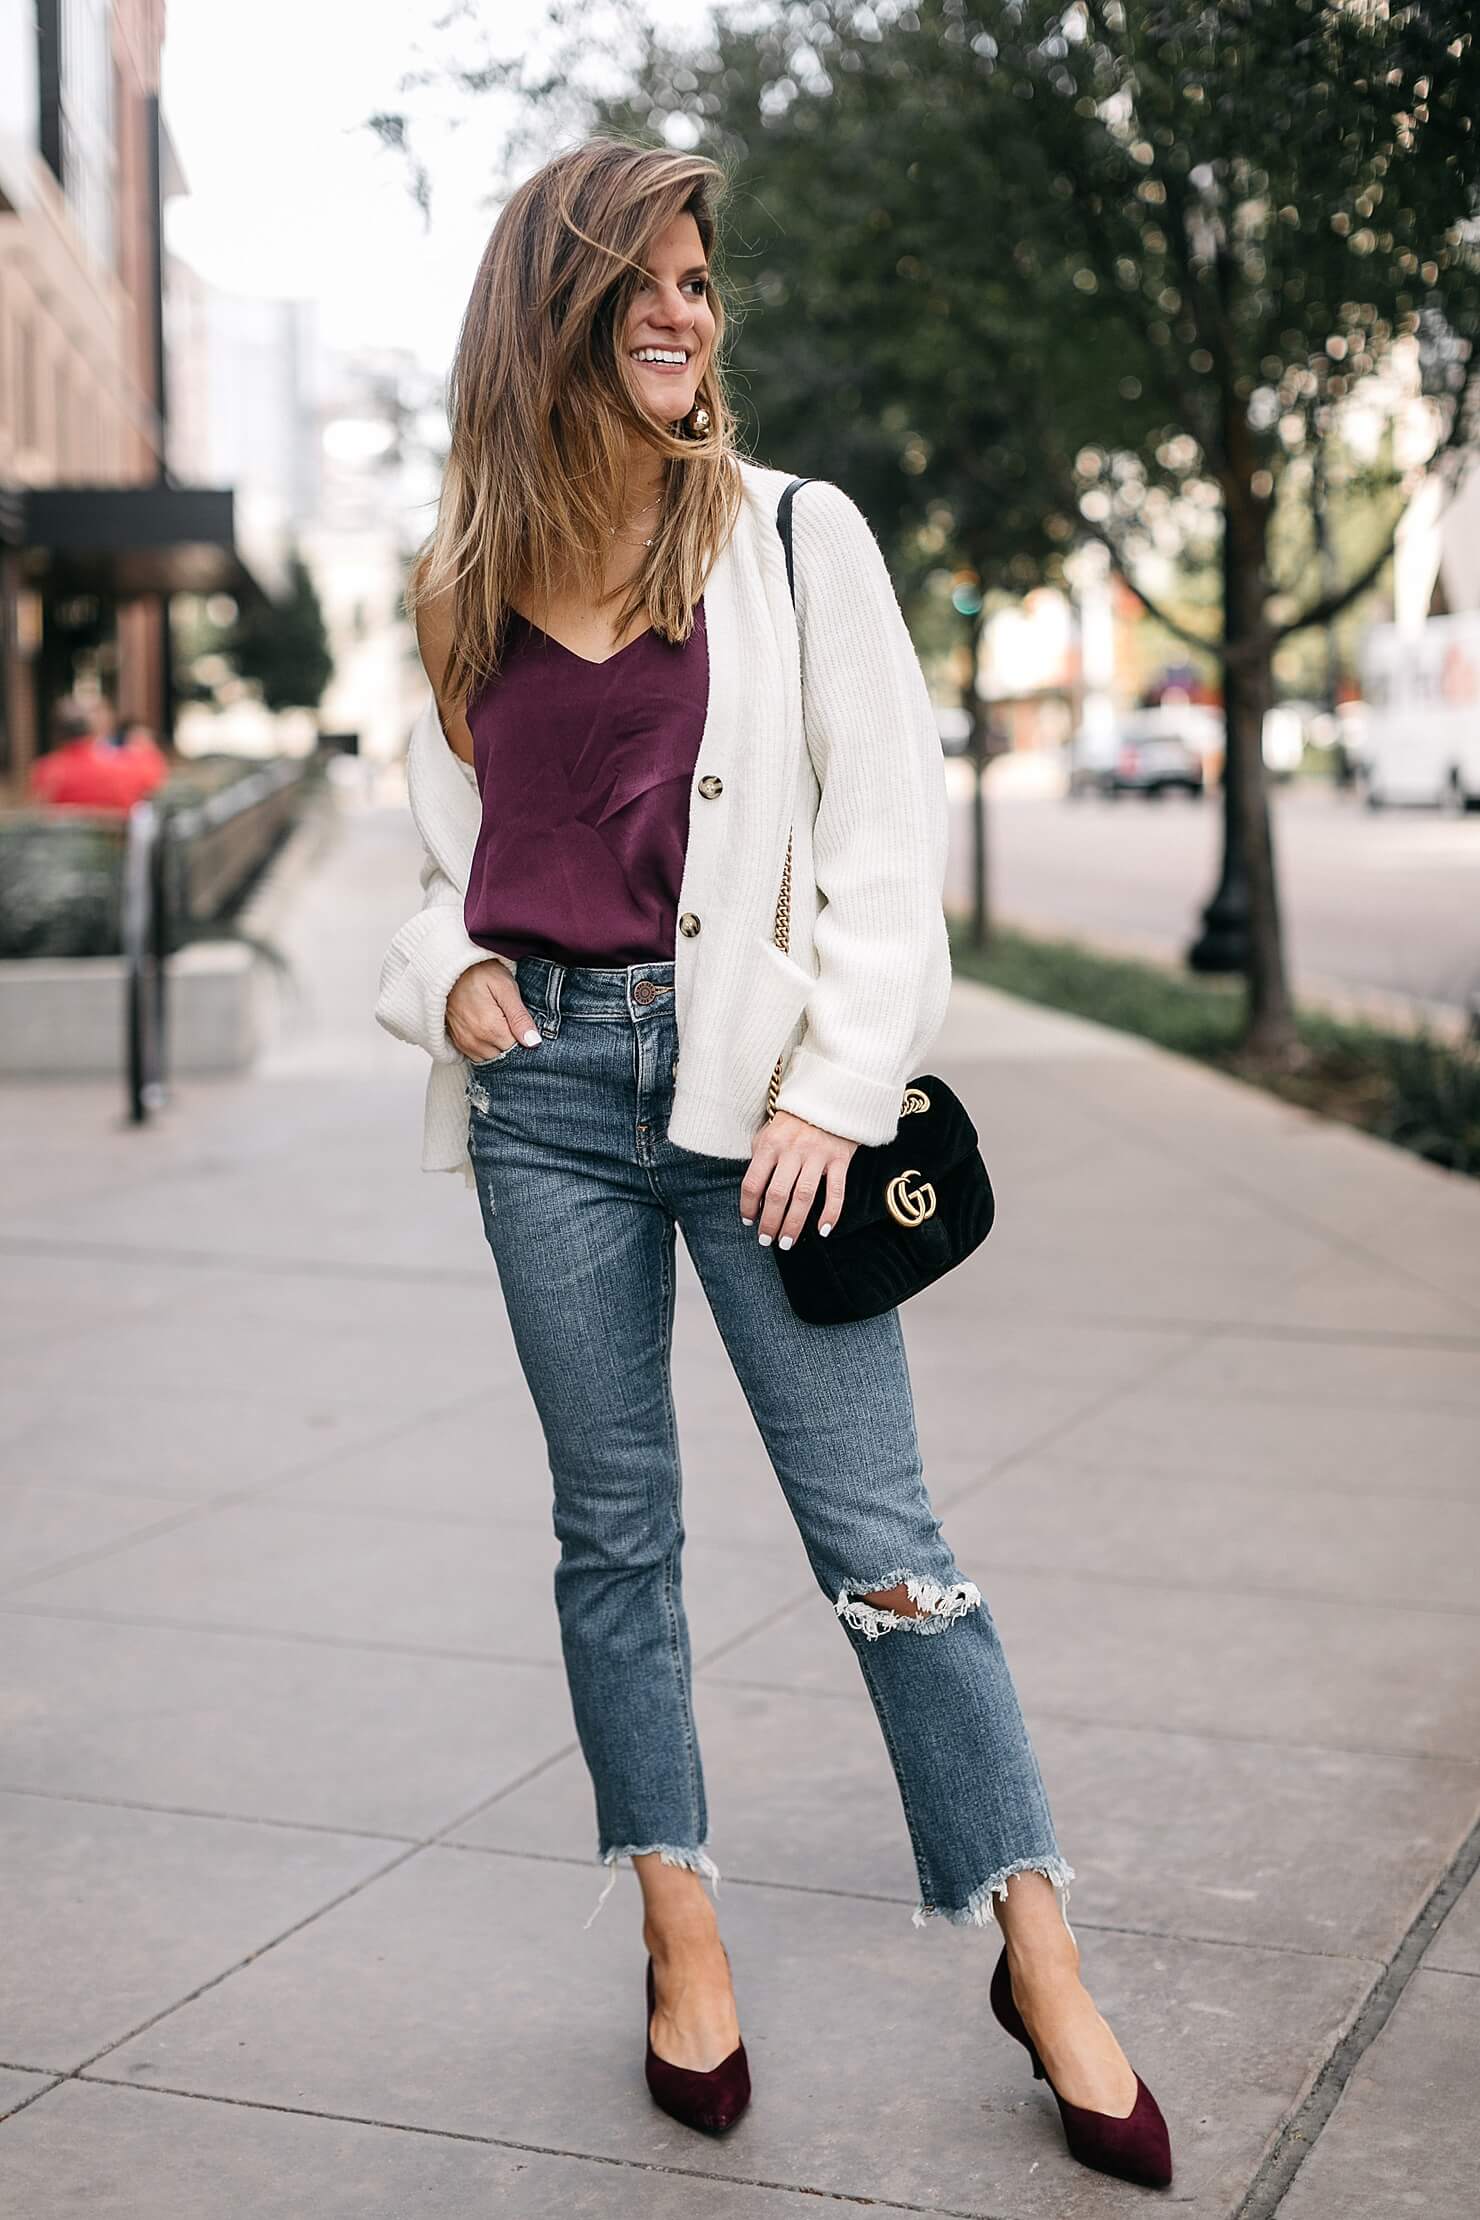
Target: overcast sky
288	197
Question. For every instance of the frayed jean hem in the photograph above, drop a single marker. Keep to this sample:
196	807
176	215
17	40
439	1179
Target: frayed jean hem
978	1910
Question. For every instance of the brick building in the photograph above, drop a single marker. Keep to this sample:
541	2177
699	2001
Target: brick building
95	534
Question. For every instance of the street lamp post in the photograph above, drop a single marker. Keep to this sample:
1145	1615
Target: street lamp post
966	594
1223	943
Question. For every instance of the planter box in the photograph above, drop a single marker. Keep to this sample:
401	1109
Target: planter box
62	1017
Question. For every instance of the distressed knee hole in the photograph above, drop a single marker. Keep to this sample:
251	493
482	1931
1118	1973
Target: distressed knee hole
897	1598
904	1600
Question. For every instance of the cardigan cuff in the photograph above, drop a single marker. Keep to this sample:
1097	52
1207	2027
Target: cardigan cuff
430	955
840	1101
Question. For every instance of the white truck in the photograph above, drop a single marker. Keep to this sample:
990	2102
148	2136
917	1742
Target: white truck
1421	732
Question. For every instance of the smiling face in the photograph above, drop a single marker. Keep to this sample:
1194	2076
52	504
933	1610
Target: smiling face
670	314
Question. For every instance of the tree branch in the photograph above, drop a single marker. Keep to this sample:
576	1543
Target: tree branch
1061	473
1153	608
1331	605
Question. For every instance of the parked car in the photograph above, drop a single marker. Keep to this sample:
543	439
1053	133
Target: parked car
1180	745
1152	751
1421	736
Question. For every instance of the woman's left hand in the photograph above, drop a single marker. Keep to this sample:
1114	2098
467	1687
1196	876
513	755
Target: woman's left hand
790	1160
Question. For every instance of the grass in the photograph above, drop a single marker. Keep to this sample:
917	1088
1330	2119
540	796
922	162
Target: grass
1415	1089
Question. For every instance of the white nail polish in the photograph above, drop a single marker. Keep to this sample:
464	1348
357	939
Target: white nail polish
824	1231
746	1221
765	1241
785	1241
532	1038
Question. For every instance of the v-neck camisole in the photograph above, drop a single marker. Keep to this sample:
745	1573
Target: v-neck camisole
584	773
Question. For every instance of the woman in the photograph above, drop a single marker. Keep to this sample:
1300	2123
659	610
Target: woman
606	793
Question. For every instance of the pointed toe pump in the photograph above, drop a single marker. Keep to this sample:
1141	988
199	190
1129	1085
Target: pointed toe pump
711	2102
1136	2148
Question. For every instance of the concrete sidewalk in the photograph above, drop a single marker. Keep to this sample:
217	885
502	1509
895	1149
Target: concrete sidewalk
299	1845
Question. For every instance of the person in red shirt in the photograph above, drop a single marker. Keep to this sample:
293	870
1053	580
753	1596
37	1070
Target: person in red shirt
96	762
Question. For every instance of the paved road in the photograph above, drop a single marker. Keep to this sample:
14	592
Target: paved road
297	1841
1381	900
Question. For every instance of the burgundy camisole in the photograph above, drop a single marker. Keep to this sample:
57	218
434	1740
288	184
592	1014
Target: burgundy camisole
584	771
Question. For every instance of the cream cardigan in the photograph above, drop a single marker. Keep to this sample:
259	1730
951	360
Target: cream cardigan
863	992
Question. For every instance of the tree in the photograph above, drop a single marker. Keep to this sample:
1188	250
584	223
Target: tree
1249	218
284	648
1220	231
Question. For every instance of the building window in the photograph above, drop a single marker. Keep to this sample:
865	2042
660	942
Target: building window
75	73
66	460
27	428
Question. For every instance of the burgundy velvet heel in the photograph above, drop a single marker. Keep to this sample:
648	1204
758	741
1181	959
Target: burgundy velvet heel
711	2102
1137	2148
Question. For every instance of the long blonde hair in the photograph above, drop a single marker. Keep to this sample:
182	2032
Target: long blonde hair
541	416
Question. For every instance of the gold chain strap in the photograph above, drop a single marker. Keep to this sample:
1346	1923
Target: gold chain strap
783	942
783	899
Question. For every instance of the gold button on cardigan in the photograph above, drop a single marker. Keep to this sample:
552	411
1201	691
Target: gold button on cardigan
861	995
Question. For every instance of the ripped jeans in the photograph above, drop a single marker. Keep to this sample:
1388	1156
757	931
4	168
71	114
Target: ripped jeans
581	1192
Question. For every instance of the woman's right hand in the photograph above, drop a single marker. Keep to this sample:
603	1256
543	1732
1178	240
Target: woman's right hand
485	1016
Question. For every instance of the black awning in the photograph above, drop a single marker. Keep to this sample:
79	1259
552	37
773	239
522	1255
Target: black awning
119	541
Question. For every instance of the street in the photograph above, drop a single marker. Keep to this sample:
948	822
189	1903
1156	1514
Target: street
1385	902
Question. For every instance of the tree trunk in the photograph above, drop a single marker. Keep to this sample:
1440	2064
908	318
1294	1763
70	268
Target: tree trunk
1223	944
1241	925
1269	1033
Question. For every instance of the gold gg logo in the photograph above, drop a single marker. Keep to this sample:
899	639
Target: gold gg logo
915	1098
909	1206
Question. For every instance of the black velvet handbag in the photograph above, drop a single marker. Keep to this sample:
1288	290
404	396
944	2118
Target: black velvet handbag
914	1206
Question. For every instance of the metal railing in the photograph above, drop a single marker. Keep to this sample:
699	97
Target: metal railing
181	868
216	843
145	948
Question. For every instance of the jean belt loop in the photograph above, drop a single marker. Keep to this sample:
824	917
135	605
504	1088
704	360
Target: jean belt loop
556	982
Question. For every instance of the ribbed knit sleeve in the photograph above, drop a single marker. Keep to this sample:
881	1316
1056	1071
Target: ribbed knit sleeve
426	958
883	955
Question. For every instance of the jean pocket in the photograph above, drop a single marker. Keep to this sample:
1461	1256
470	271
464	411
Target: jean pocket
548	1029
491	1063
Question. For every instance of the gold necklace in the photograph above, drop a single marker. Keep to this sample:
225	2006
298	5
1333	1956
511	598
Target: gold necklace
616	531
